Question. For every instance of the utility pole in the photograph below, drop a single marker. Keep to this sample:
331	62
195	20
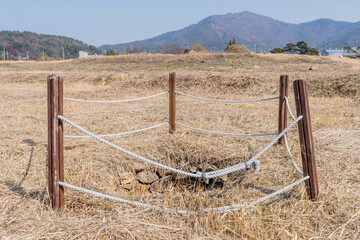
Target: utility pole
43	55
27	55
4	53
255	47
63	53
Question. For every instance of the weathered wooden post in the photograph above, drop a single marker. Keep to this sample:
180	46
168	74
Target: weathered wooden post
55	141
306	138
172	102
284	89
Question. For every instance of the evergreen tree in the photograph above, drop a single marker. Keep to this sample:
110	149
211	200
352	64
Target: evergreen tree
290	48
232	47
301	48
110	52
277	50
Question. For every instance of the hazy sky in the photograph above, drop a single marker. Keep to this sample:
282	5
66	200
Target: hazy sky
118	21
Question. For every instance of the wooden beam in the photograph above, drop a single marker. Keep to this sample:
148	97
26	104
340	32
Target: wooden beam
284	90
55	141
172	102
306	138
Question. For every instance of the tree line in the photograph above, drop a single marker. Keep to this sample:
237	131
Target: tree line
301	48
231	47
15	45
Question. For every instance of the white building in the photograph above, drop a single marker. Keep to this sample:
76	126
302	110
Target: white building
83	54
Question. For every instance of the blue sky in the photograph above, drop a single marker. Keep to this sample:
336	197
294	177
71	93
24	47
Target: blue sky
111	21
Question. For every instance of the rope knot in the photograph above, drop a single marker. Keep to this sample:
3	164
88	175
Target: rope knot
247	167
256	166
202	175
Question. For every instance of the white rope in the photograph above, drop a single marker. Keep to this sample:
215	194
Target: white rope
116	101
237	167
225	101
291	157
212	174
280	191
105	196
128	152
224	209
286	142
222	133
260	200
119	134
288	107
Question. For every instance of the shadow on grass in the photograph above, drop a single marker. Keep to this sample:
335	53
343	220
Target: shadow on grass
32	144
37	195
283	196
16	187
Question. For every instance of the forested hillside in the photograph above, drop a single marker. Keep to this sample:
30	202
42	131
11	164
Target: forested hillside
19	45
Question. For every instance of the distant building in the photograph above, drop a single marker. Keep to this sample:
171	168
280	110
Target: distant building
353	52
333	52
83	54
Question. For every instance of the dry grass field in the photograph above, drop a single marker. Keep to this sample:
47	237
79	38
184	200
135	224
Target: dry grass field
334	88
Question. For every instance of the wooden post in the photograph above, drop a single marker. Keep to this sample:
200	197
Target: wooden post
172	102
306	138
284	89
55	141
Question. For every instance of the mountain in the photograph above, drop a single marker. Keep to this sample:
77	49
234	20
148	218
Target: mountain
248	28
21	44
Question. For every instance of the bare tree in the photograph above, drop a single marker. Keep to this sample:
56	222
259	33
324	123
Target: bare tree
133	48
172	49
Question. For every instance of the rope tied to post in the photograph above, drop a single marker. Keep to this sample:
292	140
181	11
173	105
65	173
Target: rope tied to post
55	113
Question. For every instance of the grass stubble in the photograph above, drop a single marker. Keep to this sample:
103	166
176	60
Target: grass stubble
334	100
